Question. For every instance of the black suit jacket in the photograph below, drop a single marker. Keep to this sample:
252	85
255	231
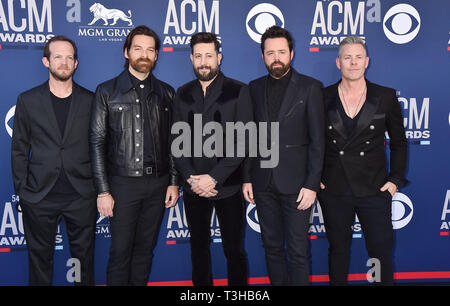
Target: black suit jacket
227	100
301	136
39	152
361	158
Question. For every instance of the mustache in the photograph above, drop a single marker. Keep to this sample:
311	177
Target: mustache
277	63
204	67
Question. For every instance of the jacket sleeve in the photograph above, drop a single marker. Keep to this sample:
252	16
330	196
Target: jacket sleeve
173	172
227	165
97	140
397	144
182	163
20	146
316	130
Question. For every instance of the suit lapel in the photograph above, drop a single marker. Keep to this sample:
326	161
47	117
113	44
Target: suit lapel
333	113
293	91
367	112
73	110
46	101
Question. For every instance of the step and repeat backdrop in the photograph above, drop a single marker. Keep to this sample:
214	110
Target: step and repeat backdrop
409	47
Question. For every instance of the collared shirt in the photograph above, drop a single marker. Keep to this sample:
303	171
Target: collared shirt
143	90
276	89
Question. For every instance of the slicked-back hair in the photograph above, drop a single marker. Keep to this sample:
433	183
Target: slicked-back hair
277	32
351	40
206	38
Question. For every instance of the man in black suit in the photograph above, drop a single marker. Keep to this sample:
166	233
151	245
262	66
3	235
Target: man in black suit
212	181
285	192
51	167
133	170
355	177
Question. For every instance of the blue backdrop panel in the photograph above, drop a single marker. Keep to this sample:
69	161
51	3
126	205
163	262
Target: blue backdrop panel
409	48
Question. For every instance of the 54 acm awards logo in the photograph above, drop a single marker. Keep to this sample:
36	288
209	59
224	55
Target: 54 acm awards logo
177	231
25	24
184	18
445	222
334	20
12	237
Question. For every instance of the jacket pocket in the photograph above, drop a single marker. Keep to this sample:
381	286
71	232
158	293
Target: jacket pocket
120	116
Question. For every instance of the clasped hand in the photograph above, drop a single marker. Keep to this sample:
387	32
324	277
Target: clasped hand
203	185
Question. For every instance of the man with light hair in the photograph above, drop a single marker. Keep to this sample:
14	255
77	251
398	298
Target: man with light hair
355	178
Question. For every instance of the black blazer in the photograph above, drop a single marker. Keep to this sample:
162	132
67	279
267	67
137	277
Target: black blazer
361	159
227	100
38	151
301	136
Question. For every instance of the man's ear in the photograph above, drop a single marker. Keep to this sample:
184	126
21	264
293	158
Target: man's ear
45	62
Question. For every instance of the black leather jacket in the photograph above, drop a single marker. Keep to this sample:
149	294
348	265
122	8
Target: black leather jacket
117	132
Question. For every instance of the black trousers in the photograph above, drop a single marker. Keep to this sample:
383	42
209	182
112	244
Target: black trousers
374	214
137	215
231	214
40	221
284	232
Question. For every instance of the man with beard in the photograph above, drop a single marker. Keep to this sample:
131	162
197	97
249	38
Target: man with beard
212	182
284	193
133	170
51	167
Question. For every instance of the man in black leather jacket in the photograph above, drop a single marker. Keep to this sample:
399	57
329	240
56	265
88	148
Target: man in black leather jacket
132	166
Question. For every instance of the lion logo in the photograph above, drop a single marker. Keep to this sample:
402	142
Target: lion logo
101	12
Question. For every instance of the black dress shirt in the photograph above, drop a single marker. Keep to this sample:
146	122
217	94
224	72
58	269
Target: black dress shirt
143	90
276	90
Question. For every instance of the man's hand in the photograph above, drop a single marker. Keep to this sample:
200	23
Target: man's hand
247	190
391	187
306	197
172	195
203	185
105	204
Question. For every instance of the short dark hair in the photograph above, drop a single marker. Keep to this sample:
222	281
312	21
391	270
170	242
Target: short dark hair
206	38
277	32
140	30
59	38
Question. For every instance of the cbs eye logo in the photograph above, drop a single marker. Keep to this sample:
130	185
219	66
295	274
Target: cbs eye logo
260	18
401	24
252	218
402	210
8	117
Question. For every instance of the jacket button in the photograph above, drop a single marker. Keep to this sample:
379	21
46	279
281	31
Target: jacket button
361	153
367	142
341	153
137	172
137	116
330	127
137	145
372	127
334	141
138	130
137	100
137	159
120	108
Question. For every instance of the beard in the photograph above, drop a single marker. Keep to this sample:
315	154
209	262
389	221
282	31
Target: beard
208	76
279	71
61	75
142	65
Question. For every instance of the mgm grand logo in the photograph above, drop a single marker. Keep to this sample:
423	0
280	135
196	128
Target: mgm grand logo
107	24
